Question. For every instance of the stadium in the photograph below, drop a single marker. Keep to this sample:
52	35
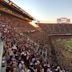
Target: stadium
38	47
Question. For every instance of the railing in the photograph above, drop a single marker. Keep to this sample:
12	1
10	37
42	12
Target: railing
1	52
67	34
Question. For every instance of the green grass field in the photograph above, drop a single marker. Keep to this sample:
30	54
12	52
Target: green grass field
68	43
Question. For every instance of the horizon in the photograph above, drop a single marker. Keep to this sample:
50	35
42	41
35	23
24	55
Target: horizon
55	9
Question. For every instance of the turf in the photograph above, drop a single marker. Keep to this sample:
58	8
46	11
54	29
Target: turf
68	43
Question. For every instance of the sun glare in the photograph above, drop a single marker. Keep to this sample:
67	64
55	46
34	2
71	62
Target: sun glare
34	24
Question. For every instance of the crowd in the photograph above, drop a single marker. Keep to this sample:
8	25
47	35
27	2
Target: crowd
56	28
23	55
26	60
20	53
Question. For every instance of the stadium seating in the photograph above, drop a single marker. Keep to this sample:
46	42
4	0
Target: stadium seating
57	28
23	49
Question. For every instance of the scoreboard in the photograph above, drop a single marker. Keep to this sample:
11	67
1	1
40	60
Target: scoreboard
63	20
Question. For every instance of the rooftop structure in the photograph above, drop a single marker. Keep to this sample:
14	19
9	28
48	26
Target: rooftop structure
9	7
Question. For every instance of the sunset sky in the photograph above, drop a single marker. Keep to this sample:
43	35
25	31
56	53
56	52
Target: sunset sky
46	10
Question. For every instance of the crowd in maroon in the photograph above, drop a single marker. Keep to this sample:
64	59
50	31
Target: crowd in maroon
52	28
20	52
24	59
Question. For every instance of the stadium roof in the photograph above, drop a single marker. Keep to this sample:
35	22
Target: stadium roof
16	8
